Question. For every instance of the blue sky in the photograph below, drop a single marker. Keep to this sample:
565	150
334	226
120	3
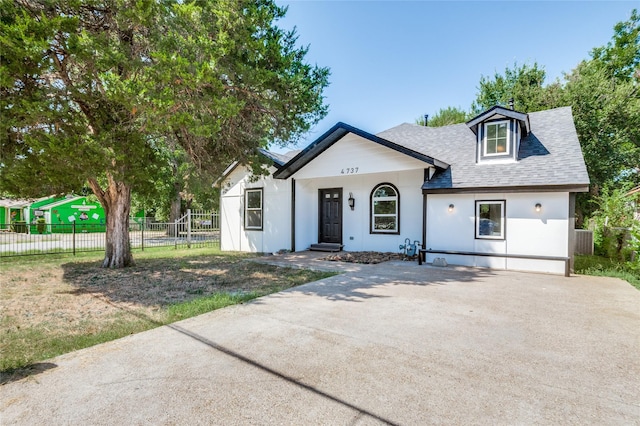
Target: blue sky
394	61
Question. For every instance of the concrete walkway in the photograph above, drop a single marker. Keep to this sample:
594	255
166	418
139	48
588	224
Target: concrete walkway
380	344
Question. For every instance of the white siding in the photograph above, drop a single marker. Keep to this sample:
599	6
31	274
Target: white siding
527	232
276	231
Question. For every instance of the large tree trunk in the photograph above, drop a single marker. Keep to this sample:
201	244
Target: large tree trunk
116	200
174	210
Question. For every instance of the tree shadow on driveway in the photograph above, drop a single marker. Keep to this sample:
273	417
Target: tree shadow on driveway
358	283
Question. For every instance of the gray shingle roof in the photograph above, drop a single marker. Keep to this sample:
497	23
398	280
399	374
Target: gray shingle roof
279	159
550	156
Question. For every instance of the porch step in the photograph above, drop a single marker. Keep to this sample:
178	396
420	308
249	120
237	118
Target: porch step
331	247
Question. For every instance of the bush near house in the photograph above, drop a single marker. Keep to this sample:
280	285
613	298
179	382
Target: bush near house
612	222
614	243
634	247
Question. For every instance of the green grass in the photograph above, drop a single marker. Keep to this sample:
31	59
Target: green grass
40	343
203	305
206	278
605	267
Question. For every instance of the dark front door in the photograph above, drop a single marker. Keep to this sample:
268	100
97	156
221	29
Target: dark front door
330	229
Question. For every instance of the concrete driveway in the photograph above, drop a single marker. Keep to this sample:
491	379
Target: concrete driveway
382	344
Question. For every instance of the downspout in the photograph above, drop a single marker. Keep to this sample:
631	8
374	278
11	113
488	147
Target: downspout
426	177
572	233
424	221
293	215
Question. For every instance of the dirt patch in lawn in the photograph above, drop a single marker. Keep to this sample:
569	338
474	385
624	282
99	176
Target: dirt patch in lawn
363	257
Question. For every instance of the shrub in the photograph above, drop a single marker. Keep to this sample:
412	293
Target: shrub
634	247
614	243
41	225
610	223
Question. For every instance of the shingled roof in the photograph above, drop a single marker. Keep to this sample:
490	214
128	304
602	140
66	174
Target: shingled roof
549	158
279	159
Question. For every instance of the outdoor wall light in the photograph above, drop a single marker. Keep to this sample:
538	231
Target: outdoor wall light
538	207
352	201
451	206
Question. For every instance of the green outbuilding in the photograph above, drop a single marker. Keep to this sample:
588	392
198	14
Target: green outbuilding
60	214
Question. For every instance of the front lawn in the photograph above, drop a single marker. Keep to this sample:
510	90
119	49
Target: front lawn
57	304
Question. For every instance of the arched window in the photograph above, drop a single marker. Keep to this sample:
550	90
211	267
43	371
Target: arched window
385	209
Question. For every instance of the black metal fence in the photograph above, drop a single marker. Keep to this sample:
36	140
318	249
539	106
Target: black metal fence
195	229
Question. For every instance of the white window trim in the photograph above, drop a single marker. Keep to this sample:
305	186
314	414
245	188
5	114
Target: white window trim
484	140
503	219
247	209
373	215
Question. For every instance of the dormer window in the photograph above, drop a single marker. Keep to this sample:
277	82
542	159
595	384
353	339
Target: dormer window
497	138
499	131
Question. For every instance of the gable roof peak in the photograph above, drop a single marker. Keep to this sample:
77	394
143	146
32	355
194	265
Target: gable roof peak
333	135
521	117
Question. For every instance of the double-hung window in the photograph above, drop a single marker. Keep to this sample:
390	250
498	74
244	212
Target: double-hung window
385	208
490	220
496	138
253	209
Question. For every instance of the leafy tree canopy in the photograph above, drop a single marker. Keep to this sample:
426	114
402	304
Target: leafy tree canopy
524	84
445	117
99	91
604	93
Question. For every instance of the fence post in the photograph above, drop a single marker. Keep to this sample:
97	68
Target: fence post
175	234
188	228
142	231
73	231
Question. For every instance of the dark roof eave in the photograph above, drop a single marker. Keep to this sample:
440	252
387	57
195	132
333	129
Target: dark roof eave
522	188
276	162
336	133
522	117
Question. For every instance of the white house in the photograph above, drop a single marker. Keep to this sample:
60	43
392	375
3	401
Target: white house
497	191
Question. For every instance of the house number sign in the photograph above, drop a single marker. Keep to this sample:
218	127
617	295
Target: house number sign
349	171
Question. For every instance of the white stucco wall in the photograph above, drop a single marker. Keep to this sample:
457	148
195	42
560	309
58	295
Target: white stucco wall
276	231
527	232
355	223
